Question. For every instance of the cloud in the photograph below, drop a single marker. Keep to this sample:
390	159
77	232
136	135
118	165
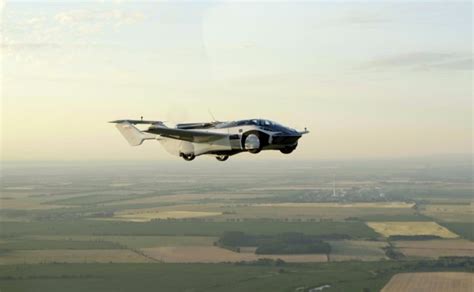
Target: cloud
423	61
461	64
33	35
115	16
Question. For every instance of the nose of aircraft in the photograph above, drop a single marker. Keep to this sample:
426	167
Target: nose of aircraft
292	132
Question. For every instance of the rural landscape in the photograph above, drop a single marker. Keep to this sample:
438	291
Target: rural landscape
236	146
381	225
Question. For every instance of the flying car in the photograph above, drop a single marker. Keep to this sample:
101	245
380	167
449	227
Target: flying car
219	139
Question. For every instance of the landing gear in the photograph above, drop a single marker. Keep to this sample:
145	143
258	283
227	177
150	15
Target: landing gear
188	157
222	157
287	150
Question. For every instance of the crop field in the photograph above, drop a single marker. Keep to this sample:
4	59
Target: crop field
130	241
182	228
341	276
386	217
465	229
191	277
51	244
411	228
304	211
214	254
431	282
148	215
344	250
436	248
72	256
450	212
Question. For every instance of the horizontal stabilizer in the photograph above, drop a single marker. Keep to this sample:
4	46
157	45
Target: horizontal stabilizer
135	122
134	136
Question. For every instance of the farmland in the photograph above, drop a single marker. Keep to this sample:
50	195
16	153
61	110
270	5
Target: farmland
133	241
450	212
436	248
105	226
213	254
437	282
41	244
411	228
73	256
465	229
357	250
264	276
179	228
145	215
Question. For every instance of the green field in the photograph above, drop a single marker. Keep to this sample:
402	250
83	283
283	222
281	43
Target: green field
189	277
135	241
198	228
465	229
267	276
357	250
32	244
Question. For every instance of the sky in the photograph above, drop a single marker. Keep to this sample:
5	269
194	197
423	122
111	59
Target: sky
369	79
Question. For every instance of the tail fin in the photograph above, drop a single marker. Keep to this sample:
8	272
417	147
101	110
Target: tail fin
134	136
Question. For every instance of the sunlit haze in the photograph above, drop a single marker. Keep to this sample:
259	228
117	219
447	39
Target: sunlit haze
386	79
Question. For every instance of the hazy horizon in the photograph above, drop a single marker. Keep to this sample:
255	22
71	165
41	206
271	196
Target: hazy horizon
249	157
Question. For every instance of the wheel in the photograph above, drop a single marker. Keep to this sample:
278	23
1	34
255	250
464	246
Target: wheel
253	141
222	157
287	150
188	157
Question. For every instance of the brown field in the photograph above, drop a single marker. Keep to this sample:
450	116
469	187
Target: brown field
73	256
144	215
411	228
450	213
436	248
431	282
213	254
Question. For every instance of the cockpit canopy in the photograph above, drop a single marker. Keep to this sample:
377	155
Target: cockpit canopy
256	122
266	124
